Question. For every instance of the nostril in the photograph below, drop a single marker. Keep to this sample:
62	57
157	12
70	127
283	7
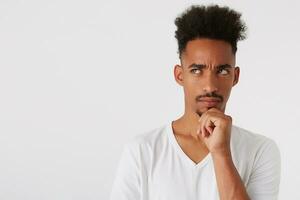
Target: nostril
210	89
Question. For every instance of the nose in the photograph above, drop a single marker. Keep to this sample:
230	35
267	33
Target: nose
210	83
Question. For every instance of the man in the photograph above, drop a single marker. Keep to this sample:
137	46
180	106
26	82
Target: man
201	155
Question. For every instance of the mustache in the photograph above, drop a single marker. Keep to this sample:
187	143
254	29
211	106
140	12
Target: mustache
211	94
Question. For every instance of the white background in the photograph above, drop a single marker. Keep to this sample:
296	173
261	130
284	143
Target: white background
78	79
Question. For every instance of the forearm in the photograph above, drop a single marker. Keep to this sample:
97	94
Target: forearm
230	185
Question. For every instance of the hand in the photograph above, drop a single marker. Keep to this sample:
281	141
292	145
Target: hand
214	130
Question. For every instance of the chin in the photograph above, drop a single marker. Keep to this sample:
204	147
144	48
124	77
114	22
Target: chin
202	110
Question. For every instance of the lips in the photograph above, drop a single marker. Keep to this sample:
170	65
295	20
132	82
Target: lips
209	102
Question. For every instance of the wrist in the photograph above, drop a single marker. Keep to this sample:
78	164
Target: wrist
222	153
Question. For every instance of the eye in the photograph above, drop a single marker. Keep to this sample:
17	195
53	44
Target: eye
223	71
196	71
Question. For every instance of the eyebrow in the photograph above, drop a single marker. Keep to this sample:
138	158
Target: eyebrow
201	66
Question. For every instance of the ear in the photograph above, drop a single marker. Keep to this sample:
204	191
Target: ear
178	74
236	75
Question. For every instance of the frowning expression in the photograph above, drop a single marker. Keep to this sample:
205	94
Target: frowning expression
207	74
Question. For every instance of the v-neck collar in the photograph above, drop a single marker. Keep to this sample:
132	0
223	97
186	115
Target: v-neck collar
181	153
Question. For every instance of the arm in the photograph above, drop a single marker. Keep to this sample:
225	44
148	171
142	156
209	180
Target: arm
214	130
264	180
126	185
229	183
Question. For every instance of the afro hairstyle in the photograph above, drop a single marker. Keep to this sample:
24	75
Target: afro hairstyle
212	22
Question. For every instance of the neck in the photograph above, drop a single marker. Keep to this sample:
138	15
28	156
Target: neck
186	124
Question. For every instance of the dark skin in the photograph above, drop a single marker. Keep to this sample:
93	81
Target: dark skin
207	74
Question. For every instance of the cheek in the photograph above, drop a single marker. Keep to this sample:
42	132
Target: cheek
191	91
225	84
224	87
191	82
194	88
226	90
194	81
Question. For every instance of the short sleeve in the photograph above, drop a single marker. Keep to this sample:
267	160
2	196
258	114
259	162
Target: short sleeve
126	185
265	177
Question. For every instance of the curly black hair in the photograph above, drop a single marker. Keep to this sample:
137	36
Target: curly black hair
213	22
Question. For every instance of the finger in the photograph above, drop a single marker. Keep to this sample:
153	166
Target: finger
208	121
215	110
205	133
200	132
204	119
199	125
209	129
210	125
198	129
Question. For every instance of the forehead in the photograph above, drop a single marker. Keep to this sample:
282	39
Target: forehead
208	51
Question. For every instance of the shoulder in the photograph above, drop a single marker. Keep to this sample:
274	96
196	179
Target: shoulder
148	139
258	160
252	146
248	139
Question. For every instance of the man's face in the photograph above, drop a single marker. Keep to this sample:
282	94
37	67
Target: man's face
207	74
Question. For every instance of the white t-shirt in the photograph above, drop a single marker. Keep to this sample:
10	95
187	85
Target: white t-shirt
154	167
